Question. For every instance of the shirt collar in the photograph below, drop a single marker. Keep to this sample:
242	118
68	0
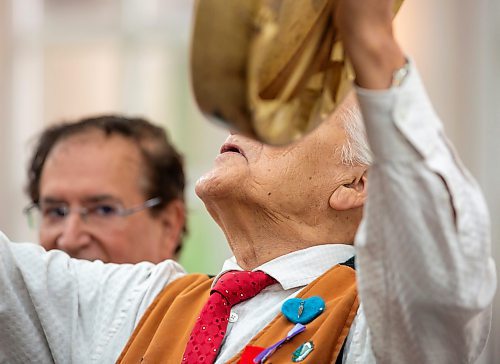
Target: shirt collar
301	267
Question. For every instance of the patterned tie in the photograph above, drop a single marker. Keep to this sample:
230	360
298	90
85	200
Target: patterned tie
232	288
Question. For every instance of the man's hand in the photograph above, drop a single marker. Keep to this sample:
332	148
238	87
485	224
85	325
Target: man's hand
365	27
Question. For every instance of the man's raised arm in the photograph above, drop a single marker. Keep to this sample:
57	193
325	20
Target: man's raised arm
426	275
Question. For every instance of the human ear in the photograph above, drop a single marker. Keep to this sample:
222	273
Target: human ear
350	195
173	218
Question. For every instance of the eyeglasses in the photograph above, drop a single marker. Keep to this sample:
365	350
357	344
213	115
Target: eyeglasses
99	213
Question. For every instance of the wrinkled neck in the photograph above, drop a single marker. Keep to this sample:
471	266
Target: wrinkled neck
257	235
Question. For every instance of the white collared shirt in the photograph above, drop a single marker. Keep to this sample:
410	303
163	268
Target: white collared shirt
425	274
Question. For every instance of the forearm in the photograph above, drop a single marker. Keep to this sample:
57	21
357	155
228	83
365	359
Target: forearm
21	334
57	309
426	276
367	35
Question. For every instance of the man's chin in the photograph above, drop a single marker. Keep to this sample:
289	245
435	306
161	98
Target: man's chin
214	184
206	185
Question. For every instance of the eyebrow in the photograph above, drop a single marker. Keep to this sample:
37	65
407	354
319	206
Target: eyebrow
101	198
89	199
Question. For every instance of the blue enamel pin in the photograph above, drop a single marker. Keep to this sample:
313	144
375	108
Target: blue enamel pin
303	311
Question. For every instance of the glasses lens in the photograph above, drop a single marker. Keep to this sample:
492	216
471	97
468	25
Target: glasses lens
102	213
98	214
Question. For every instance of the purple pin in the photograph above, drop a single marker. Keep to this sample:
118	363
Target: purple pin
297	329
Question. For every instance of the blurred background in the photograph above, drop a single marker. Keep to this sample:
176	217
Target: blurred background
66	59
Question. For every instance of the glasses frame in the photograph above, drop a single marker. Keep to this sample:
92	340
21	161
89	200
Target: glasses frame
84	211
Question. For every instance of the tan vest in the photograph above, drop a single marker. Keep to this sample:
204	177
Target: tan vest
163	331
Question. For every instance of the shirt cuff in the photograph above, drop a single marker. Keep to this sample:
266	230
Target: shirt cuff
400	122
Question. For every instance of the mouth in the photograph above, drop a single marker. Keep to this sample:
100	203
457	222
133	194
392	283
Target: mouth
231	148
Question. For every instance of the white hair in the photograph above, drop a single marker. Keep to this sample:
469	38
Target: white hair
355	150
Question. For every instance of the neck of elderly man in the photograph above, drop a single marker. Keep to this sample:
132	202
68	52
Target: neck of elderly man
271	201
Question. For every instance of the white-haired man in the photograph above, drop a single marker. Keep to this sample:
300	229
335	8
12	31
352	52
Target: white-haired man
294	217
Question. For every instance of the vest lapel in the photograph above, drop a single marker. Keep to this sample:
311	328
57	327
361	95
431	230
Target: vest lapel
327	332
164	329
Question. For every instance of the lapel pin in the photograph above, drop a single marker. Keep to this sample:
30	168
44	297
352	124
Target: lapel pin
249	353
303	311
302	351
265	354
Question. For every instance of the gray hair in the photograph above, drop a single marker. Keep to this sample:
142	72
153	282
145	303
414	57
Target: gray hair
355	150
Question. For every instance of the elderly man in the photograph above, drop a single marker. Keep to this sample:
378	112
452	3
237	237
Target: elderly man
293	218
108	188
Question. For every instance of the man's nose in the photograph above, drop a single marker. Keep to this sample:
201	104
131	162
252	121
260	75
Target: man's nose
74	235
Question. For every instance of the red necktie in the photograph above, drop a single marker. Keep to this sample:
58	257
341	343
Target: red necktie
232	288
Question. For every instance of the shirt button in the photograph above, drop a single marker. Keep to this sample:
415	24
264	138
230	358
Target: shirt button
233	317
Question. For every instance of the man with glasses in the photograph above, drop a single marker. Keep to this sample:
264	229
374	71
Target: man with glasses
108	188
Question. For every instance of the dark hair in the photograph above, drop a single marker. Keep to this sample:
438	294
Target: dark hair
163	164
